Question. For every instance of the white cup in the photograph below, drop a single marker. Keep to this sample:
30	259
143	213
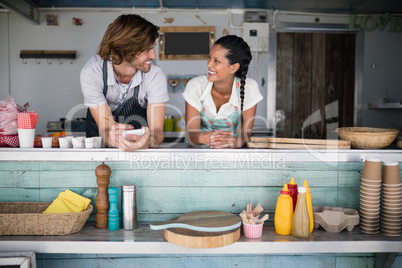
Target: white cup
89	143
98	142
70	141
78	143
26	137
64	142
47	142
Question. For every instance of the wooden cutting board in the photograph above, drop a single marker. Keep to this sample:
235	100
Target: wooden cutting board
292	143
202	221
209	220
301	141
266	145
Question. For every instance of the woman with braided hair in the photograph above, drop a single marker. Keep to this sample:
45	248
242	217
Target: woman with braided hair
220	107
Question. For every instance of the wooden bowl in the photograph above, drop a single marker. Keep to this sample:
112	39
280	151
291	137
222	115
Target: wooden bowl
368	138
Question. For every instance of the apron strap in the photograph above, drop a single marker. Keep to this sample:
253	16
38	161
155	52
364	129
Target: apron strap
104	71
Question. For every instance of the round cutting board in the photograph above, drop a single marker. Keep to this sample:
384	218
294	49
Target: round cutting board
194	239
203	229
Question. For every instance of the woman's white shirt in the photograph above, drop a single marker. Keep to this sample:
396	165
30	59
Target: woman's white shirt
198	89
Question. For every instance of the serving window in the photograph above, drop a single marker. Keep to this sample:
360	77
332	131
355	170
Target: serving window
186	42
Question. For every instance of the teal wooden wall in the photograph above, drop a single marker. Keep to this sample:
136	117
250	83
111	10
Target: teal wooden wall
168	189
198	261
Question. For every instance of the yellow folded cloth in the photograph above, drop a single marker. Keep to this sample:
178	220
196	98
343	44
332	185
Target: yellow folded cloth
68	202
77	196
57	206
77	202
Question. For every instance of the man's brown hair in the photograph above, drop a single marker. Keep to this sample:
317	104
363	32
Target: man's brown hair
126	37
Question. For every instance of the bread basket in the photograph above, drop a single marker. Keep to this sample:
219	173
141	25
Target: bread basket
27	218
367	137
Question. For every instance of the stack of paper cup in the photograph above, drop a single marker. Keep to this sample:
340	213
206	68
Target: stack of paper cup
391	200
370	190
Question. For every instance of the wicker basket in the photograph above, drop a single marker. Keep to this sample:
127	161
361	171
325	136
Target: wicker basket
368	138
26	218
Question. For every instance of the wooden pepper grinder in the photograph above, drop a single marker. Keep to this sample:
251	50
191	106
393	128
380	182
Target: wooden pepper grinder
102	204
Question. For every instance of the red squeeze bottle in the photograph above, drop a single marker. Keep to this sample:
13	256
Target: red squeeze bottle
293	192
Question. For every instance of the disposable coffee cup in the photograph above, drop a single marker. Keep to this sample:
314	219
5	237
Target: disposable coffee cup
97	142
392	213
372	224
392	228
78	143
391	234
370	208
369	213
47	142
63	143
392	199
369	194
372	187
391	207
390	218
370	221
391	174
89	143
371	182
26	137
392	187
372	168
392	193
391	223
370	191
368	201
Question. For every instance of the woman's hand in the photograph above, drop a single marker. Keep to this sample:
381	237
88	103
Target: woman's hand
221	139
131	142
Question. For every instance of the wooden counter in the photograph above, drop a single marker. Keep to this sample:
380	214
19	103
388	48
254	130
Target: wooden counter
182	152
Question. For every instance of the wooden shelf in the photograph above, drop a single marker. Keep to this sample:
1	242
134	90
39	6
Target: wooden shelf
48	54
146	241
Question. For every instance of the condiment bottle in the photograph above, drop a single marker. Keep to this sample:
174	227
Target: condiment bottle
309	205
293	191
113	223
301	220
284	212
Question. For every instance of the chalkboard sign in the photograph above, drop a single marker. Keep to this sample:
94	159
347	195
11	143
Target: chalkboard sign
185	43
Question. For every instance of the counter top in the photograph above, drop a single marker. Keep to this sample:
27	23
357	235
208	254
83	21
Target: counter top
146	241
182	152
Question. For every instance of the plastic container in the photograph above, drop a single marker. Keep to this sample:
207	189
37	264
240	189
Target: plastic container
309	205
301	220
284	212
293	191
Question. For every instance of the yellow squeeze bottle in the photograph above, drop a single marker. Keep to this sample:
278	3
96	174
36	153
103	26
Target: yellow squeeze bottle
309	205
284	212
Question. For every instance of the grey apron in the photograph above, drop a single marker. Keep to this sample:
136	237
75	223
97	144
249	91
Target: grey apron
130	112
